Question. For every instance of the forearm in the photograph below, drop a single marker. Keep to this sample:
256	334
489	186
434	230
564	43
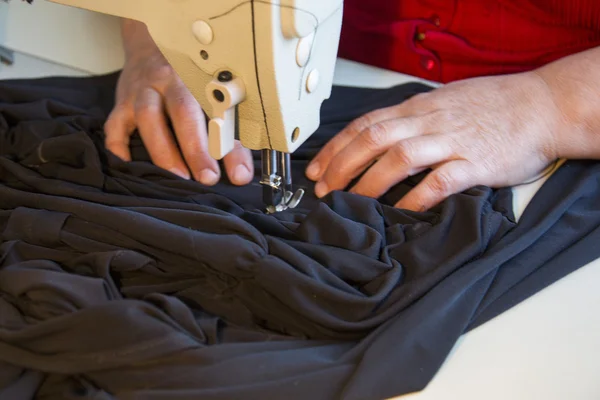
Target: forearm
574	83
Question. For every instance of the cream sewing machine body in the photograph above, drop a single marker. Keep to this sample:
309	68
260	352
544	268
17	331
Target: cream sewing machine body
260	69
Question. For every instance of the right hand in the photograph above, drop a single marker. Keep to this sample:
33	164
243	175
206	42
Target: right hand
148	94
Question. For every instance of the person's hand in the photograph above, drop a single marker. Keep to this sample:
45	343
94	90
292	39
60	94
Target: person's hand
149	94
493	131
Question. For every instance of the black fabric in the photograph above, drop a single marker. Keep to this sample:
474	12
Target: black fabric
122	281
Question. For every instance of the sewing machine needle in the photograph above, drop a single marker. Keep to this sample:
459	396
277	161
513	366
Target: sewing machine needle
278	194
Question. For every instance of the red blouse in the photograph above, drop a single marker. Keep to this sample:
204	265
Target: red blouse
446	40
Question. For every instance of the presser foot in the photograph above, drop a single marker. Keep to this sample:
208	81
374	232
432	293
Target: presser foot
278	194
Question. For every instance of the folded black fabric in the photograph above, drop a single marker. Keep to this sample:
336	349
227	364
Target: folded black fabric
121	281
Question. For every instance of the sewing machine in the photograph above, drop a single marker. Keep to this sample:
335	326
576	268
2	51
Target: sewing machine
260	69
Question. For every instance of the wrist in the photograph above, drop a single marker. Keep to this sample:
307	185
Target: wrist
137	41
547	110
570	86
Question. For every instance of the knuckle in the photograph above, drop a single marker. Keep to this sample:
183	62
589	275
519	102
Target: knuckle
403	153
359	124
457	122
354	127
363	122
145	110
161	72
446	116
461	146
374	137
116	123
182	105
442	182
190	131
197	155
181	102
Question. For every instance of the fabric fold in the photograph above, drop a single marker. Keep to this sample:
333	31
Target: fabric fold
122	281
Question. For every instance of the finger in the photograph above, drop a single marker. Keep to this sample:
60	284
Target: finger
450	178
118	128
321	161
364	149
189	123
406	158
239	165
415	106
151	121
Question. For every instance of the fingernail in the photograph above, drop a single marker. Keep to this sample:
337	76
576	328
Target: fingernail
209	177
313	170
241	174
180	173
321	189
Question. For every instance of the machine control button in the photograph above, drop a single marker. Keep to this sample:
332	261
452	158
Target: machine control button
312	81
303	49
203	32
225	76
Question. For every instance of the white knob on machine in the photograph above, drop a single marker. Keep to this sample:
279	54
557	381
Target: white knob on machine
203	32
225	92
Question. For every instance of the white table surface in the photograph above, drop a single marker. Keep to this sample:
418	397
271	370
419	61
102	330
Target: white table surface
548	347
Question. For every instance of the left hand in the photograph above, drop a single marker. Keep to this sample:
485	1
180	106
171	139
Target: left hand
492	131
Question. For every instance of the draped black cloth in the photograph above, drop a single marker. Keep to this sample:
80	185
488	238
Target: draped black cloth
122	281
